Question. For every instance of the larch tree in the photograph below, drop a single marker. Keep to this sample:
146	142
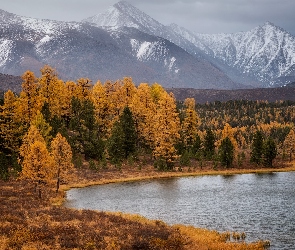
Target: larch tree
36	162
53	91
289	144
37	165
103	112
166	130
47	83
30	138
29	102
144	110
228	131
83	88
62	155
44	128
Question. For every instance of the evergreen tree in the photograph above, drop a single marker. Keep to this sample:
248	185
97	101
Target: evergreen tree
122	142
269	152
257	148
197	144
129	132
10	127
4	173
189	124
115	143
209	147
226	152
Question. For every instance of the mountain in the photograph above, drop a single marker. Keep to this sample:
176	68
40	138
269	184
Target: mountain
125	41
211	95
261	57
81	49
265	54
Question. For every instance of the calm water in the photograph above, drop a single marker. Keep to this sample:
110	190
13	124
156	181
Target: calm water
262	205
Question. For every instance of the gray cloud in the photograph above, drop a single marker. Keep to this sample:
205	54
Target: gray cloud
204	16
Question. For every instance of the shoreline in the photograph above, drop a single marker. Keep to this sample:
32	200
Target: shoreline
171	174
192	232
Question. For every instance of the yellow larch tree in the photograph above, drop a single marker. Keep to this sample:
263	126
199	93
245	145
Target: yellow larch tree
29	102
43	127
229	132
53	92
166	130
47	83
157	90
83	88
37	165
36	162
128	90
144	109
30	138
289	144
103	109
62	156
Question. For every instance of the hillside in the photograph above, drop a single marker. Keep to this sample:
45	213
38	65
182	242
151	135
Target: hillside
211	95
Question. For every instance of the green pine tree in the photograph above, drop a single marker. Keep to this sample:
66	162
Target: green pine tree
209	147
226	152
122	142
269	152
257	148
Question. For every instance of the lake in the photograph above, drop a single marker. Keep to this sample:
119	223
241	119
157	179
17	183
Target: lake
261	205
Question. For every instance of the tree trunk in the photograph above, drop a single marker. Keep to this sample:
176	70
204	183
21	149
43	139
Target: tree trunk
58	180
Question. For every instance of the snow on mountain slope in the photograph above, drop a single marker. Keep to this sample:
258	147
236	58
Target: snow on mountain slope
266	52
5	50
82	50
123	14
154	51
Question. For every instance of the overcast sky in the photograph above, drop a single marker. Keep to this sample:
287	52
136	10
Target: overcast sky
203	16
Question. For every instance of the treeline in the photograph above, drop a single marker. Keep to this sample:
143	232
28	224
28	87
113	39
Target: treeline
52	121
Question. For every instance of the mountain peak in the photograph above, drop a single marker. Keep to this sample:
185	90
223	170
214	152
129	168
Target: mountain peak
271	26
123	14
123	4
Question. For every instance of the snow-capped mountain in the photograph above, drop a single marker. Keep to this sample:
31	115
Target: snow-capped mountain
123	14
265	53
124	41
263	56
79	49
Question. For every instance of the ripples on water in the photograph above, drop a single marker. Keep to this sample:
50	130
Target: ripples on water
261	205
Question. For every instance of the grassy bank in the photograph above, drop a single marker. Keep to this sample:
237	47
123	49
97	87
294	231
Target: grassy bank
27	222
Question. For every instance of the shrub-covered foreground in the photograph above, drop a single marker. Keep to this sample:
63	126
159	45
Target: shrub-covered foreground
27	222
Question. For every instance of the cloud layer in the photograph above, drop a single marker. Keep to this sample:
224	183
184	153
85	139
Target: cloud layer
203	16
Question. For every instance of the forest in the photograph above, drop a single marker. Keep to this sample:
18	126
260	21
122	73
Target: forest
55	132
53	126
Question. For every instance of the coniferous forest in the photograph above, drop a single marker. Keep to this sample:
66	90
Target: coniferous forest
53	127
65	123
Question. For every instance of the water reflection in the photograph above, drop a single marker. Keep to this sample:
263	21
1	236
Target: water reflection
262	205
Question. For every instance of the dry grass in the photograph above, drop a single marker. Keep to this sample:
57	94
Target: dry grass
27	222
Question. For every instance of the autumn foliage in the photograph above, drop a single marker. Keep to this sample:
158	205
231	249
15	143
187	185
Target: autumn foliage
55	131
